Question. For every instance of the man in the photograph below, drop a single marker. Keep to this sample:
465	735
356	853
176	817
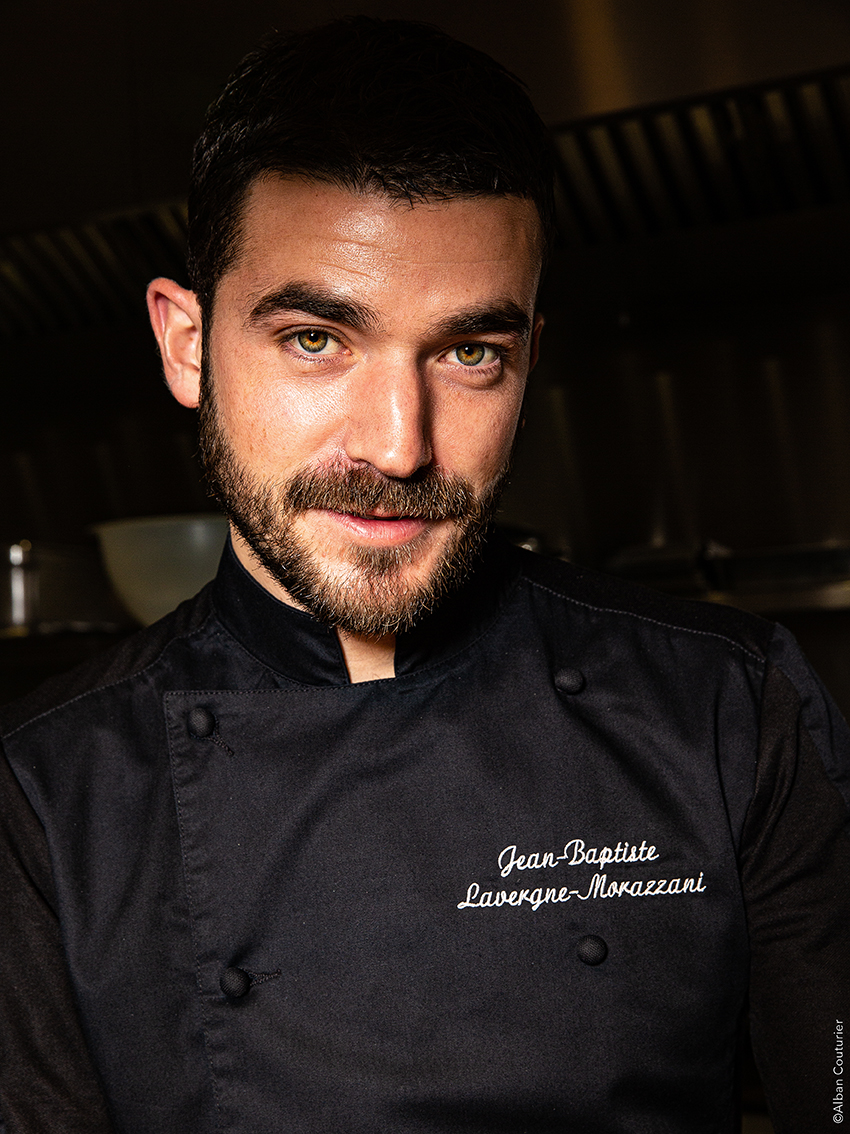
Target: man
393	828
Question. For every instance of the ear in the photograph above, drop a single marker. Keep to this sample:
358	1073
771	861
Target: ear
535	340
176	320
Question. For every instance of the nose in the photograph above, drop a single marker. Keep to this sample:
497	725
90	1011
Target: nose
388	420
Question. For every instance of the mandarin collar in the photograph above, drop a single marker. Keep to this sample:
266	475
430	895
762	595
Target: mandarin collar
299	646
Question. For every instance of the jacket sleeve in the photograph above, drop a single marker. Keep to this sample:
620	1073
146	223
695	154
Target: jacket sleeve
796	879
47	1079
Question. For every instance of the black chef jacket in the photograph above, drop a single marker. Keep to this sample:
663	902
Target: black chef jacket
526	885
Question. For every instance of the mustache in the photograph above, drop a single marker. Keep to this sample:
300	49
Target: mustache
430	494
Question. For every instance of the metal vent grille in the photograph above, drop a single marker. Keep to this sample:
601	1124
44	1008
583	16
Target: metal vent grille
737	155
90	273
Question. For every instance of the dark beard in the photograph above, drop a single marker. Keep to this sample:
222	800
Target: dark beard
372	599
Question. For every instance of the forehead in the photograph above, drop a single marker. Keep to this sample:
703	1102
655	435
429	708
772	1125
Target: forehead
372	246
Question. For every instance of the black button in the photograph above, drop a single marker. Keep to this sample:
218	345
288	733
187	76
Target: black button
234	982
569	681
201	722
592	950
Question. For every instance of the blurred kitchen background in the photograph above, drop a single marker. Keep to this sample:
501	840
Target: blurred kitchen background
689	423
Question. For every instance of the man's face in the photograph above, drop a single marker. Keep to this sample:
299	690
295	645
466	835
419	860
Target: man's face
364	375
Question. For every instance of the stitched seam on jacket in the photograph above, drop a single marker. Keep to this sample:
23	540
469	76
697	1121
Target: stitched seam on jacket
645	618
112	684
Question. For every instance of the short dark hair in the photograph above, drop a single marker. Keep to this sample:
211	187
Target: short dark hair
370	105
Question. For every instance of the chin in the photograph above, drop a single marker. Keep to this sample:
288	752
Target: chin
366	590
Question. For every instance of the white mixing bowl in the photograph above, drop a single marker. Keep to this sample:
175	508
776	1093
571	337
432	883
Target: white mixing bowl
157	561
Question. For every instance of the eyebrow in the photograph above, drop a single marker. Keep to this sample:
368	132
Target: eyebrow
501	318
313	300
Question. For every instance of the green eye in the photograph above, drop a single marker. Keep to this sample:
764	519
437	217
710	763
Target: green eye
314	342
470	354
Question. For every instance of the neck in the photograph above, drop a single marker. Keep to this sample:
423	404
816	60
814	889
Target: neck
368	659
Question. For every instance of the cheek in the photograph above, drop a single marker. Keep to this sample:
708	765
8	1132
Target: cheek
271	424
478	436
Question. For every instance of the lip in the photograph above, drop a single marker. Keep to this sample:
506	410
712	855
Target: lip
387	530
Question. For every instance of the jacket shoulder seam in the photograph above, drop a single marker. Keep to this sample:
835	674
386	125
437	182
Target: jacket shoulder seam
110	684
646	618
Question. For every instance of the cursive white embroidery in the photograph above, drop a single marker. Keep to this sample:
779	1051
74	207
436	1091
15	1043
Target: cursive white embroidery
577	853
